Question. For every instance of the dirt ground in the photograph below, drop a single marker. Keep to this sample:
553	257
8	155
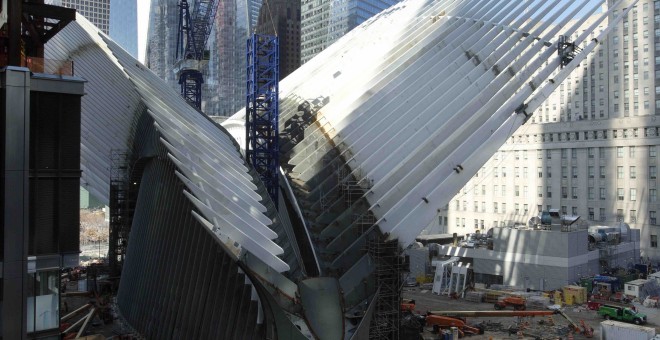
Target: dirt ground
116	329
427	301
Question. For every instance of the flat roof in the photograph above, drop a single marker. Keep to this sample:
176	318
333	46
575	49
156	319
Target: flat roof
637	282
436	236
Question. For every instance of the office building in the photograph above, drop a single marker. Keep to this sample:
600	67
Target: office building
590	150
40	186
96	11
124	24
254	8
117	18
282	18
325	21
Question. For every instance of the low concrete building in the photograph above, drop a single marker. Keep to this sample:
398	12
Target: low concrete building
545	259
633	288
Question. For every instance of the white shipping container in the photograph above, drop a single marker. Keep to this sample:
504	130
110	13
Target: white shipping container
634	287
615	330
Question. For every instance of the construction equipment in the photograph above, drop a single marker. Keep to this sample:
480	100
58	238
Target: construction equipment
446	319
586	330
517	302
491	313
572	323
621	314
191	54
461	315
69	332
76	312
443	322
407	305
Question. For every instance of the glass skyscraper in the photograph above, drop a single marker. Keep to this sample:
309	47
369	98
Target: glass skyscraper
282	18
96	11
325	21
123	24
254	7
117	18
223	91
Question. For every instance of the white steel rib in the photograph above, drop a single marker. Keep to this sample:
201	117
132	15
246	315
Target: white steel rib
442	131
474	151
206	159
378	132
401	94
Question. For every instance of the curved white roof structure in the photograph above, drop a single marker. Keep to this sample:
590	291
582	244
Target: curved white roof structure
207	160
377	132
416	100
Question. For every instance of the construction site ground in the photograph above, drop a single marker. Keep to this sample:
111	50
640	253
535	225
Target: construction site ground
114	330
496	327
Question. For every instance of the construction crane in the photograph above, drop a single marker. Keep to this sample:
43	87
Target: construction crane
191	54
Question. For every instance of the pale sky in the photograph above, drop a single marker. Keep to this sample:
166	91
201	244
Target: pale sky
143	23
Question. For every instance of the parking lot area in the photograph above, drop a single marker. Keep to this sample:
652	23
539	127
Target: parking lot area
540	327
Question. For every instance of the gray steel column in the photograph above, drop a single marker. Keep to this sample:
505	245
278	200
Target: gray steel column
16	86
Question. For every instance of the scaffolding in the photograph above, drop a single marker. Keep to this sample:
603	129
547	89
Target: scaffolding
349	187
363	222
121	210
262	110
387	274
326	199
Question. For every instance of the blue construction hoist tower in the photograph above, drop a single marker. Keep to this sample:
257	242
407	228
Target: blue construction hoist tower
191	54
262	109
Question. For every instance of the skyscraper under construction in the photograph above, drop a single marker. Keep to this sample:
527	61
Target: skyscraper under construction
223	90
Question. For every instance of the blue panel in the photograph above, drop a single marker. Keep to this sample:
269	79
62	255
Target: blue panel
262	109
